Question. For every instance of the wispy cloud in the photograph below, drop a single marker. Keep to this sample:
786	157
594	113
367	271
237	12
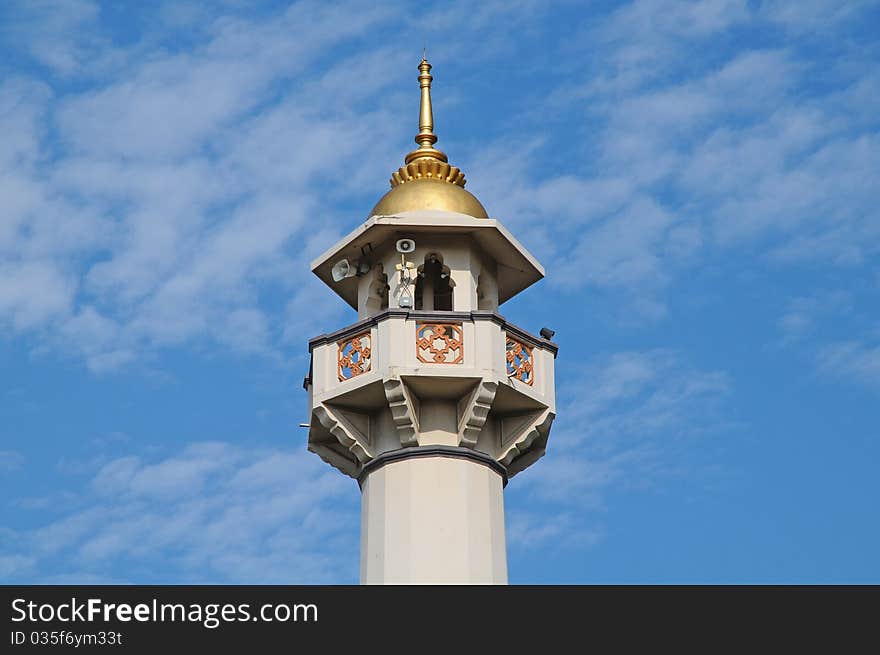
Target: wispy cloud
180	186
213	512
811	15
529	529
630	418
178	189
129	225
686	141
804	314
54	32
836	333
852	360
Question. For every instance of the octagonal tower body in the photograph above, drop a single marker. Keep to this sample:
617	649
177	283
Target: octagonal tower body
431	400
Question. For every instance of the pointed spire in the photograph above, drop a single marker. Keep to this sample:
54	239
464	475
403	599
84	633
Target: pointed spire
426	162
426	137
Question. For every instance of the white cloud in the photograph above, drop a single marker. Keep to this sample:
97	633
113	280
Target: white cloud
11	565
853	360
178	193
630	418
681	19
803	314
836	332
167	199
810	15
686	140
54	31
34	292
529	530
213	512
637	395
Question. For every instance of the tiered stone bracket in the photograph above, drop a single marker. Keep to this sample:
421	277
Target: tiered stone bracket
351	429
404	410
473	412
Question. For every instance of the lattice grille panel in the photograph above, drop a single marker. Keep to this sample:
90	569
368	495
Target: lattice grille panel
520	364
354	356
439	343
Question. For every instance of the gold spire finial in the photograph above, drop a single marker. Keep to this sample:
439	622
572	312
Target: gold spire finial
426	137
426	162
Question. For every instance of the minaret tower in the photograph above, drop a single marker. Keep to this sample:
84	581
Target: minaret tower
431	400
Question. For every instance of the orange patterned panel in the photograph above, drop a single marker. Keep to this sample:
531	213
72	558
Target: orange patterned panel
439	343
354	356
520	364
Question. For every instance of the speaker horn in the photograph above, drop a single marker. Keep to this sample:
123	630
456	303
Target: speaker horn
342	269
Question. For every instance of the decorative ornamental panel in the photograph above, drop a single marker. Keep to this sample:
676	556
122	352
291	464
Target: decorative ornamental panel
354	356
439	343
520	364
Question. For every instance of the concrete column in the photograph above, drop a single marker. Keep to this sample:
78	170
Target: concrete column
428	293
433	520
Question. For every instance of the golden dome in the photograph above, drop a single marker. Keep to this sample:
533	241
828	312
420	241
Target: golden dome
429	194
426	180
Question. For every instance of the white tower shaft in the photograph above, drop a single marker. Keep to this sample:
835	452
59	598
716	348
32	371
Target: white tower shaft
433	519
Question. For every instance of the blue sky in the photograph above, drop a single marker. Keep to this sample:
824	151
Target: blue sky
700	180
